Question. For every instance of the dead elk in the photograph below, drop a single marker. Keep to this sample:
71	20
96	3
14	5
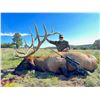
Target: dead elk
53	63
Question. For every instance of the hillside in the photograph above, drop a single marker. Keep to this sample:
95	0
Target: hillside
87	46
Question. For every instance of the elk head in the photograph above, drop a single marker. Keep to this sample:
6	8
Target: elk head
30	61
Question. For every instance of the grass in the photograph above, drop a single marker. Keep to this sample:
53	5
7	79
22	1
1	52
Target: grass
30	80
44	79
8	59
94	79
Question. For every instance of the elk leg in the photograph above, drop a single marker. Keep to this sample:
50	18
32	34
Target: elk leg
65	71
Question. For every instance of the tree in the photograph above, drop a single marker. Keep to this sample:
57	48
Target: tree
7	45
17	40
96	44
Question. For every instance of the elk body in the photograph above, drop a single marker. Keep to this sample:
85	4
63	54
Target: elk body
55	63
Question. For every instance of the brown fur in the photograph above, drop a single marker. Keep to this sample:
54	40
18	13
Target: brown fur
53	62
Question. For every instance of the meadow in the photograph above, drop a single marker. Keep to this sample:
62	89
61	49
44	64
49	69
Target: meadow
45	79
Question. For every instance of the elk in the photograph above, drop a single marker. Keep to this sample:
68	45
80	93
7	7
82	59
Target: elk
53	63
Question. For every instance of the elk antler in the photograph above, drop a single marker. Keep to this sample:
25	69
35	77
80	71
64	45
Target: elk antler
53	33
28	53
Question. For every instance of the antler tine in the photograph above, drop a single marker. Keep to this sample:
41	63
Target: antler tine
37	35
52	33
26	43
39	43
45	36
32	44
21	54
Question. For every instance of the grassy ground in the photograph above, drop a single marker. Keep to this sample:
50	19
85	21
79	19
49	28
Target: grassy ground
33	78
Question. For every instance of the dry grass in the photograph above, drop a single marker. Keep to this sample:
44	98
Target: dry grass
30	79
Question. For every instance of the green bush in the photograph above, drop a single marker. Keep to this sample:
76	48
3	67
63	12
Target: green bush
94	78
90	82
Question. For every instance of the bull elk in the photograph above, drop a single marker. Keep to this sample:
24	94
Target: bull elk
53	62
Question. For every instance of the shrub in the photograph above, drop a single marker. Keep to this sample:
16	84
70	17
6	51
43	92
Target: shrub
90	82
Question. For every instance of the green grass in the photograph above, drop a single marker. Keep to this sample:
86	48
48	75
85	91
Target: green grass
8	59
93	80
31	80
43	78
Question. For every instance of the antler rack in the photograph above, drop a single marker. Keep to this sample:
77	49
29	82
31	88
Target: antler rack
31	50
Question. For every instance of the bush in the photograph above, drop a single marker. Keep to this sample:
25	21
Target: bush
90	82
93	79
